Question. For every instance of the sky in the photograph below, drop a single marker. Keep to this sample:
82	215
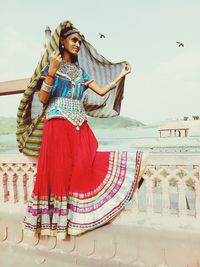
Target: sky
164	82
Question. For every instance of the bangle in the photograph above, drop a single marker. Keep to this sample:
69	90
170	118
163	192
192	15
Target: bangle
47	88
50	75
112	85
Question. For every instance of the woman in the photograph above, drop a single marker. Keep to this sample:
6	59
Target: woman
77	188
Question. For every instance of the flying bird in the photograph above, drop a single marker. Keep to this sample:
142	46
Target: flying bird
102	35
180	44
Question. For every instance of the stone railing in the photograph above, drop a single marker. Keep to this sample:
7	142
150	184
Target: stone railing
171	184
17	179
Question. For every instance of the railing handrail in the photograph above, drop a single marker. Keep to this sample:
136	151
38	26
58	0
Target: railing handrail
13	87
160	158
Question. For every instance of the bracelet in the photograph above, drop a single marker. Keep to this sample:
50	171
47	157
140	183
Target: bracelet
112	85
50	75
47	88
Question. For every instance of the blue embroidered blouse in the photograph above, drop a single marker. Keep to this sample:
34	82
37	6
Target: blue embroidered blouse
66	87
66	95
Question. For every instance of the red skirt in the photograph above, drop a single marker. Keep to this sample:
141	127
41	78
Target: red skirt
78	188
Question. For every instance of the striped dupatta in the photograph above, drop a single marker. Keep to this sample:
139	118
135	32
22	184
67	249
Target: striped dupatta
31	113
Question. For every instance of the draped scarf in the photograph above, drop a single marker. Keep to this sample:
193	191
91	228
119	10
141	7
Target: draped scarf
31	113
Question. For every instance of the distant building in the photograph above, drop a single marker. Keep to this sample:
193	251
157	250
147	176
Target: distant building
175	128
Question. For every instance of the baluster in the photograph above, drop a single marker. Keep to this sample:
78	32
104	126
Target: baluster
5	187
197	200
1	187
34	178
135	206
181	198
14	167
131	207
165	197
149	196
25	179
14	180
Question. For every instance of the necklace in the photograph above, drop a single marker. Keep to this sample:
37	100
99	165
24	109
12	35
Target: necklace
72	70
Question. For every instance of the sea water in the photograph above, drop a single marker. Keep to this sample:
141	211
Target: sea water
126	139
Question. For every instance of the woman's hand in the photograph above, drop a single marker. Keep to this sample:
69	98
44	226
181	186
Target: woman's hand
126	70
55	62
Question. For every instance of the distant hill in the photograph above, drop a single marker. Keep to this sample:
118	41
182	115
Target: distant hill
159	123
115	122
8	125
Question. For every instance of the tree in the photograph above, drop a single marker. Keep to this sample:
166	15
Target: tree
195	117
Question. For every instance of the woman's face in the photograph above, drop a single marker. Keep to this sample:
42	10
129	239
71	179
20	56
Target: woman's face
72	43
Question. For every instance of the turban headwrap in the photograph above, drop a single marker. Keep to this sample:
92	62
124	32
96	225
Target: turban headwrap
31	113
